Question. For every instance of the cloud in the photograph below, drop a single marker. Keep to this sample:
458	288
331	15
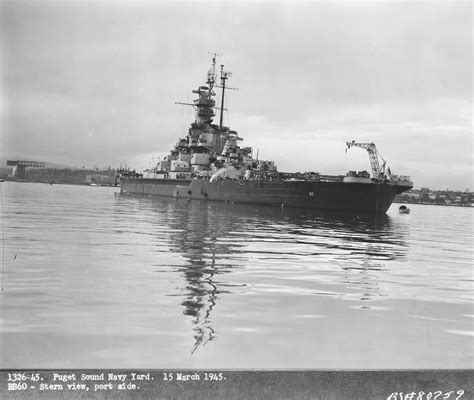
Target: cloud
94	83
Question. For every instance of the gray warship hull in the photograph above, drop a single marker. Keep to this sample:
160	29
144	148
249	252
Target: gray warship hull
209	163
374	198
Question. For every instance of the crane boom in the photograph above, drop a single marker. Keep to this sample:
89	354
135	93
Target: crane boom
378	172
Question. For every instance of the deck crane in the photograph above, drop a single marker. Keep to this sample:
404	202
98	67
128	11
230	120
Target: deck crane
378	172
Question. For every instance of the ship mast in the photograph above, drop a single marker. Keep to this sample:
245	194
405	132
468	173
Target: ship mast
224	77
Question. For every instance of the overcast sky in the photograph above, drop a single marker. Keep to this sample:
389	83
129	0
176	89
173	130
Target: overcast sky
94	83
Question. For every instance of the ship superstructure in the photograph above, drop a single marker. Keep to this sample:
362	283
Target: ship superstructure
210	163
209	151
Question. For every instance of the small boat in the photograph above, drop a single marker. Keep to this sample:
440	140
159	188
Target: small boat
404	210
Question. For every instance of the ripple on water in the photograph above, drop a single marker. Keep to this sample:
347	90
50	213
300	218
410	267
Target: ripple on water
201	283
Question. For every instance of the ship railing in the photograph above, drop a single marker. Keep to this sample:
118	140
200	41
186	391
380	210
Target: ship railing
128	174
264	176
309	176
331	178
400	179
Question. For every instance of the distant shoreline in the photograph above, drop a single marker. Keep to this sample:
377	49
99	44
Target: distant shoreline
435	204
111	185
58	183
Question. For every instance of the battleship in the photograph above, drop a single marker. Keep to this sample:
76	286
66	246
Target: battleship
211	164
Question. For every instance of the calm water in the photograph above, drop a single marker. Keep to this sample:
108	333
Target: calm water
98	279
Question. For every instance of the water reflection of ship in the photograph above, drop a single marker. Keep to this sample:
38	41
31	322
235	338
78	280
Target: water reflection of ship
203	234
379	241
364	243
195	233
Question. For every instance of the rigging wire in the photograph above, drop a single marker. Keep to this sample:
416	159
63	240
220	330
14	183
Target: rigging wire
3	239
218	101
226	99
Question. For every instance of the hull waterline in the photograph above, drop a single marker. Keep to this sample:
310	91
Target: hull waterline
372	198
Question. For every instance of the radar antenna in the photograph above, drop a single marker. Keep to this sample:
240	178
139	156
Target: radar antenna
211	74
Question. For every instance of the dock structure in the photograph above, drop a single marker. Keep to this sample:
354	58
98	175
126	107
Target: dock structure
19	167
